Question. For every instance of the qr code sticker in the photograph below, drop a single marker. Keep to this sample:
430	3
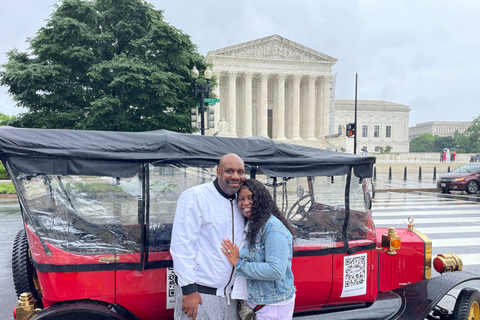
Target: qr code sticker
170	288
354	275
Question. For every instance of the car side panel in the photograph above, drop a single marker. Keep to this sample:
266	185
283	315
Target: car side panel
313	280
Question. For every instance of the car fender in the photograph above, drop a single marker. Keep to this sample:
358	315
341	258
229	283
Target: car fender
410	302
419	298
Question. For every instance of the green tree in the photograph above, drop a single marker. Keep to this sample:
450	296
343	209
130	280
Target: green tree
104	65
422	143
473	133
442	142
5	119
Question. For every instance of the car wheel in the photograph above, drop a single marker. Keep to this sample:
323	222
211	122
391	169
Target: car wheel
445	191
24	274
84	309
472	187
467	305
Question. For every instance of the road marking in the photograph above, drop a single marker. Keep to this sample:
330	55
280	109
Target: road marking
377	214
470	259
456	242
417	221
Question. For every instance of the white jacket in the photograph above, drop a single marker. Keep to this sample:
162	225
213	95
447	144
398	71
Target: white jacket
203	218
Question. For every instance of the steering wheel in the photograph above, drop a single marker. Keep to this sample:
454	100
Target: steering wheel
305	213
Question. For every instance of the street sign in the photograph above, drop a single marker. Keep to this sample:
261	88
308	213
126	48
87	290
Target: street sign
212	100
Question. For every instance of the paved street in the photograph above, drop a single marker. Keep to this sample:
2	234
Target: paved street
451	221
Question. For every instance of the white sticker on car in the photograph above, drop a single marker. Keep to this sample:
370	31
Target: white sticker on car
354	275
170	288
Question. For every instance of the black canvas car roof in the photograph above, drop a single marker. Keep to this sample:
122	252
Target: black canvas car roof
90	152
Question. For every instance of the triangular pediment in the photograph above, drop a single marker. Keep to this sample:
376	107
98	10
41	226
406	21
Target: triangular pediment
273	47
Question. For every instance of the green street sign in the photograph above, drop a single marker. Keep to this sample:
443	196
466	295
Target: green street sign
211	100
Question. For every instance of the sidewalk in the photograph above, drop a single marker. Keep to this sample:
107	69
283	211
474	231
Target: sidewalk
430	171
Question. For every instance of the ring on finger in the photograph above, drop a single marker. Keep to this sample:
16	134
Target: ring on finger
228	251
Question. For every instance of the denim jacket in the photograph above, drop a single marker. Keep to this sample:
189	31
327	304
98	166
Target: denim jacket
268	264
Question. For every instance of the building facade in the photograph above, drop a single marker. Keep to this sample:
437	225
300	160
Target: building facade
439	128
276	88
379	124
273	87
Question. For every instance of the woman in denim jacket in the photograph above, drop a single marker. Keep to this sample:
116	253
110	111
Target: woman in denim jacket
265	258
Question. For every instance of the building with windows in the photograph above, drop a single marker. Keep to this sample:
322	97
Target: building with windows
276	88
379	124
439	128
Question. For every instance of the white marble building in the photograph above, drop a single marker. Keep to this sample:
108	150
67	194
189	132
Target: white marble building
439	128
273	87
277	88
379	124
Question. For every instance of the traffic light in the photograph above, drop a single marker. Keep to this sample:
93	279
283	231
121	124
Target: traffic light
211	118
350	129
194	117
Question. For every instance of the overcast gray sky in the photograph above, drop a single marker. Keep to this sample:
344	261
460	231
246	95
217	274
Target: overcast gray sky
423	54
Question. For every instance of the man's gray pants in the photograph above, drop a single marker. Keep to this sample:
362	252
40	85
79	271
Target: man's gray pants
216	307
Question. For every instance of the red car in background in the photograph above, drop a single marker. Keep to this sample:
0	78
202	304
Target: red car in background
464	178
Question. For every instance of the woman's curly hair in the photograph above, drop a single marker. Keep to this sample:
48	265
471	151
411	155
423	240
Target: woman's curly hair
263	206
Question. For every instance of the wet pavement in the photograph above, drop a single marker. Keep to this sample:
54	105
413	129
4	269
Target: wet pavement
11	223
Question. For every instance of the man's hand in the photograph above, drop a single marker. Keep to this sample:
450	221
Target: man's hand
190	304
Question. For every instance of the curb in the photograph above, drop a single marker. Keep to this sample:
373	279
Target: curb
8	196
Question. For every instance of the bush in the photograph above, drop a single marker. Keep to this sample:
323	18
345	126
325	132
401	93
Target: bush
3	173
7	188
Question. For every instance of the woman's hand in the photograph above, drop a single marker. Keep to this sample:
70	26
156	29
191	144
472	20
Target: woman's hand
231	251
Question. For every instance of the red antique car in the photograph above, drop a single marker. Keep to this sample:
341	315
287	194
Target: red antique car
98	209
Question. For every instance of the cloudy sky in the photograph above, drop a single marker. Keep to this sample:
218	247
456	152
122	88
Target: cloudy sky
423	54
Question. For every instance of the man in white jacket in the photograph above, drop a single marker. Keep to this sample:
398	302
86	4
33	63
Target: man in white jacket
205	215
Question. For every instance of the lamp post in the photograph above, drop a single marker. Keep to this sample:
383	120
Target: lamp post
204	91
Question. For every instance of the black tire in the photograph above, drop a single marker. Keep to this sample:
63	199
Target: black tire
467	306
472	187
24	274
84	309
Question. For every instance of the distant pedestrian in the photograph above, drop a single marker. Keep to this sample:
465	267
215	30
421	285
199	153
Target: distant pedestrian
444	155
441	156
364	152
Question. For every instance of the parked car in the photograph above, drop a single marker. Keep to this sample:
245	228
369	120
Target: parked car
98	209
475	158
464	178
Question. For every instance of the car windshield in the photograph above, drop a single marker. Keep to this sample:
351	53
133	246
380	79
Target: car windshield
468	168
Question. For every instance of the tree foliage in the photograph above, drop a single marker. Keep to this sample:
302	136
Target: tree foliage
104	65
6	120
468	142
422	143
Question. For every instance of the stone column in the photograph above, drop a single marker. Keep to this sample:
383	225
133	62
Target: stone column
232	103
326	107
216	107
263	112
279	110
247	115
311	108
319	111
296	107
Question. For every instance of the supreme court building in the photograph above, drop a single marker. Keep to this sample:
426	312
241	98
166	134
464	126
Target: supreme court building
276	88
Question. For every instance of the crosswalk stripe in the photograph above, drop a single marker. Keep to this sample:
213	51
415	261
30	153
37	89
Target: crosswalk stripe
469	259
411	213
458	242
447	230
429	220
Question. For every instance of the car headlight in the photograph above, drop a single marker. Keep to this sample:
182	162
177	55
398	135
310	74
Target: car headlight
458	179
